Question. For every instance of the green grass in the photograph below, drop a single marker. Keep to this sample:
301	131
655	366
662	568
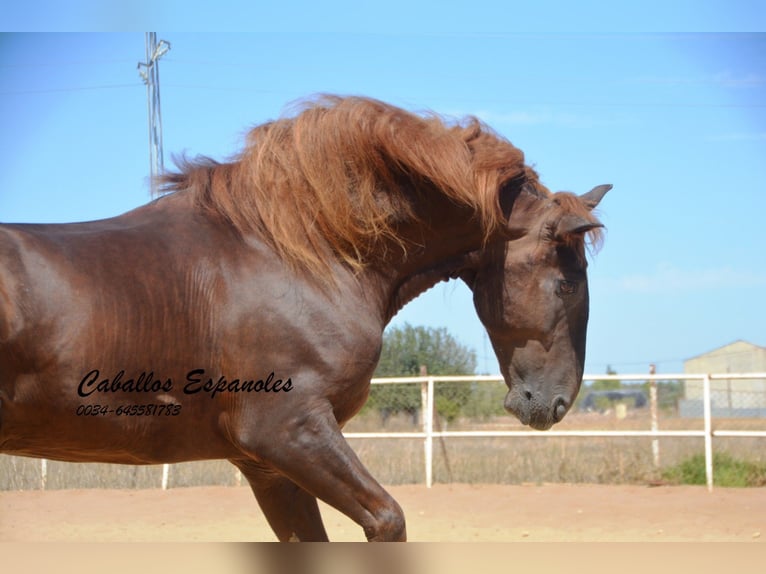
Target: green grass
727	471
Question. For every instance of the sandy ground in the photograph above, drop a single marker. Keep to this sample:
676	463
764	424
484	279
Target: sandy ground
448	513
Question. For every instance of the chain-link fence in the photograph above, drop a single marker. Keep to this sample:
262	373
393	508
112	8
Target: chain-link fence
622	429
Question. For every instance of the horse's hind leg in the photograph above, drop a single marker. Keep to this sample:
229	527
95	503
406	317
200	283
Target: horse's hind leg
292	513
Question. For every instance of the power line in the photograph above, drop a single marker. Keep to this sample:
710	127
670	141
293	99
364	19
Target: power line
459	100
60	63
67	89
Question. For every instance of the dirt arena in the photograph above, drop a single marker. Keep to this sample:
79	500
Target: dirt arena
447	513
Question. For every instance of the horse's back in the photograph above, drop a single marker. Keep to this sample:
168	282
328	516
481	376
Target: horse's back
101	297
169	293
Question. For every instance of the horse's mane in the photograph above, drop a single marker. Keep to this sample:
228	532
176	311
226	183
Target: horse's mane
341	176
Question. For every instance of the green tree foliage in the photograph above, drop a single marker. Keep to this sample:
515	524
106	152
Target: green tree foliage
405	350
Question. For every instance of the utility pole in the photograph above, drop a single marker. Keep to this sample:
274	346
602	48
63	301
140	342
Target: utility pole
150	73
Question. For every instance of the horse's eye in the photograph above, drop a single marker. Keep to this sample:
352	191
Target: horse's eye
567	287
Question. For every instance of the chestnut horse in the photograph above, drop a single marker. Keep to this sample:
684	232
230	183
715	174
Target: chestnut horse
240	316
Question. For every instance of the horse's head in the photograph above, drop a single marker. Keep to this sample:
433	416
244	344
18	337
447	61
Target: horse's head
531	294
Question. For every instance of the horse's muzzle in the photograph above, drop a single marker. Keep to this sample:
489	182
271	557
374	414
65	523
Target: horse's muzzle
534	410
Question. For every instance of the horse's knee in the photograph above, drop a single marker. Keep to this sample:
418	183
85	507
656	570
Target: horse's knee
388	525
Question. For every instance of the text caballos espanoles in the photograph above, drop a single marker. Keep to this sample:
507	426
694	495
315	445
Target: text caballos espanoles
195	382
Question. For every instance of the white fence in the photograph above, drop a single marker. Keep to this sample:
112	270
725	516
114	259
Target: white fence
705	389
707	433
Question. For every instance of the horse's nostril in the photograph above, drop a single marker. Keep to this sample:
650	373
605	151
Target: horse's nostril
559	408
528	395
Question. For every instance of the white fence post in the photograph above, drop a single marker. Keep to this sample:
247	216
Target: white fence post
654	413
165	476
708	414
428	409
43	473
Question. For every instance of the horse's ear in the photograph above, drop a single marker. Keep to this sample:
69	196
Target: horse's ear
570	225
520	206
595	195
508	193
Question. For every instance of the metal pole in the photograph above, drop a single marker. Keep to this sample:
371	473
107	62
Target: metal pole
150	73
147	77
707	413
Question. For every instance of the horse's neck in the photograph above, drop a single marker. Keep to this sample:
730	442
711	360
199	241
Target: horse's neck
412	286
445	244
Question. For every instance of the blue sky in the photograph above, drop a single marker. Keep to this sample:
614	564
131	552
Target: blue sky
675	121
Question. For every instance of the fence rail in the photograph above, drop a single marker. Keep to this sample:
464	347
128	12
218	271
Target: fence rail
707	433
430	393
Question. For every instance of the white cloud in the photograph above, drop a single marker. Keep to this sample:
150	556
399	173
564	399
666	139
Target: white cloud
515	118
731	80
667	278
538	118
726	79
738	136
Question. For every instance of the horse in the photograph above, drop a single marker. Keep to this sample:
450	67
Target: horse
239	315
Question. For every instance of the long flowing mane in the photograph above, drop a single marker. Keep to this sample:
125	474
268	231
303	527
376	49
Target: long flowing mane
342	176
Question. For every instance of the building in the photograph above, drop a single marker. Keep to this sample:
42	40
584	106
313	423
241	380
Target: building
729	397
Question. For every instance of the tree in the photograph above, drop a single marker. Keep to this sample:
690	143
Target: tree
405	350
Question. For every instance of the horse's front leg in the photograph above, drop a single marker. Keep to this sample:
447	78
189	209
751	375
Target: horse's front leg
292	512
310	451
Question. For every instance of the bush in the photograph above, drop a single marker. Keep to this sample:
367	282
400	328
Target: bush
727	471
